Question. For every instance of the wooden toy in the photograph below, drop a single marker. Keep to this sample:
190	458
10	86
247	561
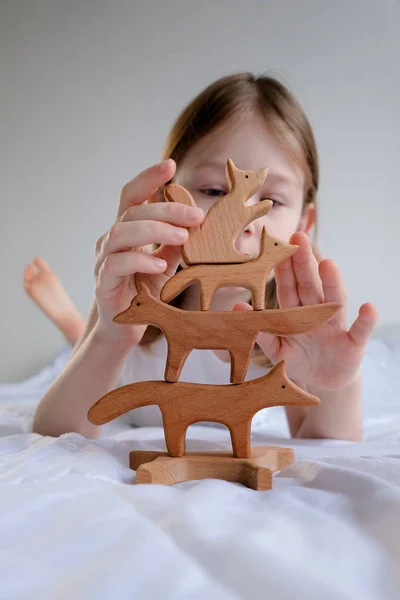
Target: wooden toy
214	240
183	404
210	249
229	330
252	275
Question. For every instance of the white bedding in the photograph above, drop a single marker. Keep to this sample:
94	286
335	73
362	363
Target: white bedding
72	525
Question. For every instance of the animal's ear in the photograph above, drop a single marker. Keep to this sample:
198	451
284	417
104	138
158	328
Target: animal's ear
264	233
279	369
143	288
231	173
262	173
263	239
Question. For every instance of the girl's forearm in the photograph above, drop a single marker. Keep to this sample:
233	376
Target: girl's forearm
338	416
90	323
90	373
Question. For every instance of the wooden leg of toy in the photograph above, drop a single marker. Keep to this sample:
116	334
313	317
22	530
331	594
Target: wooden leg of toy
240	436
177	355
175	434
239	365
258	293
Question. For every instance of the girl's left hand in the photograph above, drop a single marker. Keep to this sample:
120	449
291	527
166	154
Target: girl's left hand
328	357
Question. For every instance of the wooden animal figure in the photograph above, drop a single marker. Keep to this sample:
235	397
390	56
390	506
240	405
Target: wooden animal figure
214	240
183	404
252	275
235	331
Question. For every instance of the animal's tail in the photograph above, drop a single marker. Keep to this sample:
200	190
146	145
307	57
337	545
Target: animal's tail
177	193
179	282
292	321
123	399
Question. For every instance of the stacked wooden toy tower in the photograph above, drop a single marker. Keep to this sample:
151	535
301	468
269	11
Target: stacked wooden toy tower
213	262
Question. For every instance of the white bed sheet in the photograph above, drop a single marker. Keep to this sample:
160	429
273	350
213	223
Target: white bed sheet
72	525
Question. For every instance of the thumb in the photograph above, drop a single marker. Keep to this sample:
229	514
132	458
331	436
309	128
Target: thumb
269	344
172	256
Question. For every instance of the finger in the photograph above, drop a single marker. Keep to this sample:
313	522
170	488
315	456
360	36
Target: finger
145	184
117	266
317	253
242	306
305	267
270	344
364	325
286	287
176	214
131	234
333	287
172	256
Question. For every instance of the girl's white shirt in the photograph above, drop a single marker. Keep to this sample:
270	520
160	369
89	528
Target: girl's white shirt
148	363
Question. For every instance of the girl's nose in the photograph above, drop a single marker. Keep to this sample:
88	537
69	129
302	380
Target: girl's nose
249	229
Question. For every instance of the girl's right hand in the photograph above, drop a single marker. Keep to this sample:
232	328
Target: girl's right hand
121	252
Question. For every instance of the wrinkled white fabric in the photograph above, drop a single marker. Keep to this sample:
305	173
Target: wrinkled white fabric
74	525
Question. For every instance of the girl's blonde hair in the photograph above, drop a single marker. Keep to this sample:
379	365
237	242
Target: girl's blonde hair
234	96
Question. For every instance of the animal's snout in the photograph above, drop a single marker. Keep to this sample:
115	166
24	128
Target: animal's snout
122	317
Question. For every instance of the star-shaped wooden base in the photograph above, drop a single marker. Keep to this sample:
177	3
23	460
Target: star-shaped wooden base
254	472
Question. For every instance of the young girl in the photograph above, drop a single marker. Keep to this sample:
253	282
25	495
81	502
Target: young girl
257	123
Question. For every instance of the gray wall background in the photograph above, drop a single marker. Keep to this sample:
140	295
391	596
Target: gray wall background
90	88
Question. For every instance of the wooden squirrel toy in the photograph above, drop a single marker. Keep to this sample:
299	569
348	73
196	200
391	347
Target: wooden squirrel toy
213	241
210	249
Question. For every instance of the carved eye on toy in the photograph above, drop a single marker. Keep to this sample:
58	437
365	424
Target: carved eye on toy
137	303
283	387
276	243
247	176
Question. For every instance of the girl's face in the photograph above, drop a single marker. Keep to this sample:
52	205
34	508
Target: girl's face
251	146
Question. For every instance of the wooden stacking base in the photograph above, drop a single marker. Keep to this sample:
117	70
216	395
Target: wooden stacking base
254	472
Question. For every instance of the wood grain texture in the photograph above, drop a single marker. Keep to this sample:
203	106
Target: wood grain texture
273	457
214	240
235	331
252	275
183	404
254	472
168	471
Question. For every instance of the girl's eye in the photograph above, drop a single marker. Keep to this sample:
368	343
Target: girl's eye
213	192
275	203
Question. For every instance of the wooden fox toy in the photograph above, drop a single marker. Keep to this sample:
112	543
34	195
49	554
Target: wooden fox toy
183	404
213	241
252	275
235	331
